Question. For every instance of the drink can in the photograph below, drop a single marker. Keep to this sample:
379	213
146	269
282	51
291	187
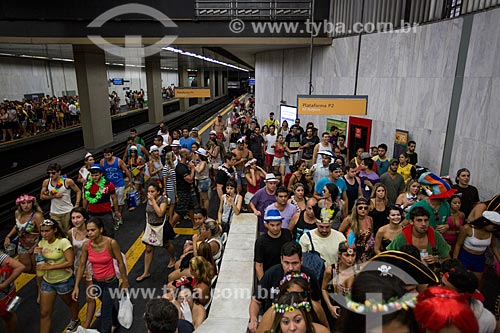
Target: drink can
13	304
423	254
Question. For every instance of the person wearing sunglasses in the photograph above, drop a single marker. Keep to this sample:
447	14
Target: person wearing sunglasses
57	188
358	228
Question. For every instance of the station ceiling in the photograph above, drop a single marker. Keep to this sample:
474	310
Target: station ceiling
237	52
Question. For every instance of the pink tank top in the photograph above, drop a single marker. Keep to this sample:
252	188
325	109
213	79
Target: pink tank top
102	263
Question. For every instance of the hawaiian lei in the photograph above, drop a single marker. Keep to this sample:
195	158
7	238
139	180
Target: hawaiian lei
59	183
98	194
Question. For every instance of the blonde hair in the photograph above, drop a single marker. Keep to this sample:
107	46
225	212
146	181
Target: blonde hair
34	208
169	159
374	192
354	222
201	270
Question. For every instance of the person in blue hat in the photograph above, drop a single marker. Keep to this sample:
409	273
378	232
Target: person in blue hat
267	248
97	193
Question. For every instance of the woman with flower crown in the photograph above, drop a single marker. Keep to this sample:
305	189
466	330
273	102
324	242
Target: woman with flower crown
294	283
96	199
293	314
28	217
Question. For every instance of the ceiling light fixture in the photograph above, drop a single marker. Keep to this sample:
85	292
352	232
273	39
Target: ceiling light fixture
195	55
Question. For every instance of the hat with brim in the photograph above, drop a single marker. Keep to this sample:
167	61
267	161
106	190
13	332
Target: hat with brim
273	215
97	167
175	143
201	152
393	161
253	160
270	177
213	133
492	216
133	148
153	148
326	153
409	269
440	188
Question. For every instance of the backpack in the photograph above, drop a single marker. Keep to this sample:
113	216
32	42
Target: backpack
313	260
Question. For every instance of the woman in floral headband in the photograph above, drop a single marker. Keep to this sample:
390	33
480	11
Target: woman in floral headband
28	216
395	307
293	314
298	284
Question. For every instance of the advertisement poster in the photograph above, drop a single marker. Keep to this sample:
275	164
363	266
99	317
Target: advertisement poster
288	113
340	124
400	142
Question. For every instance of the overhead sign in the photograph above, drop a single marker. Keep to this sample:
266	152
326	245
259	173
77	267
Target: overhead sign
117	82
251	82
288	113
332	105
191	92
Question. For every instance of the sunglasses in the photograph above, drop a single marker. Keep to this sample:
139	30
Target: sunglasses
51	172
363	207
48	223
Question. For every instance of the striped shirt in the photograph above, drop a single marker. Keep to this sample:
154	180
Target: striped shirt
169	175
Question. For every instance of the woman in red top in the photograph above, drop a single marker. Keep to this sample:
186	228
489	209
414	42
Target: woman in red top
279	155
253	174
100	252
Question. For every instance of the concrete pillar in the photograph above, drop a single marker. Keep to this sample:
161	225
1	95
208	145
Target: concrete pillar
183	82
92	83
211	82
153	80
201	82
220	83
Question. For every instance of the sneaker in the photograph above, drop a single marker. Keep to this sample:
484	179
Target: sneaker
73	325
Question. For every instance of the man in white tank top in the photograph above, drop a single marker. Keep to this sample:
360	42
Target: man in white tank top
57	188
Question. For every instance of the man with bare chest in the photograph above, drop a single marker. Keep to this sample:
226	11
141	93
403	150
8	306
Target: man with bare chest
243	154
219	127
433	248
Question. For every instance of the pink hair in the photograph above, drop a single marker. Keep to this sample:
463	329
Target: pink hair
439	307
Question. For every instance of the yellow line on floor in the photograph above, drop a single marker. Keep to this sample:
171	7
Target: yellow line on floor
133	254
185	231
226	110
23	280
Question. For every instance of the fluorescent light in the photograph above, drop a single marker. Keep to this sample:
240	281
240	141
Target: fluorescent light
194	55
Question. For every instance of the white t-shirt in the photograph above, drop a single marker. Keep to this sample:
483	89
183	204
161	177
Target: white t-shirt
327	247
270	140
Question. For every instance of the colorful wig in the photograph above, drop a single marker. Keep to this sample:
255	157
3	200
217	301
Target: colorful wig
440	307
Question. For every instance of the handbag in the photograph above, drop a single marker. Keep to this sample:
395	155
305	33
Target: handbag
126	311
135	172
153	234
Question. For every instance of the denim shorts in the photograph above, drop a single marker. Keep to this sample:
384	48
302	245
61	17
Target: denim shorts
61	288
203	185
